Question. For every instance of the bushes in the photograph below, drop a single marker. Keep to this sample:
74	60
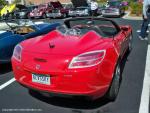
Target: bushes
101	1
3	2
136	8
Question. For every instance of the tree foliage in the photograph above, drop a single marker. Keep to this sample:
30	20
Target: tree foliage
3	2
16	1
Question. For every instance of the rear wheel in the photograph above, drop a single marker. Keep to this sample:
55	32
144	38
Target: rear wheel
130	43
115	85
10	16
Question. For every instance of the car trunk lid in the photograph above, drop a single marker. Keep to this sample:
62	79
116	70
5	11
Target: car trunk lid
59	44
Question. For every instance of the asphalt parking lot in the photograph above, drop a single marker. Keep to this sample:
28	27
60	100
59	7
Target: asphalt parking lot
15	97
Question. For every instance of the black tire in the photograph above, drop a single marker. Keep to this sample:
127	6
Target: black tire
115	85
64	15
10	16
28	16
44	16
119	14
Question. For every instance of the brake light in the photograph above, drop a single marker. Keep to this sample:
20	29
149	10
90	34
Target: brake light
87	59
17	53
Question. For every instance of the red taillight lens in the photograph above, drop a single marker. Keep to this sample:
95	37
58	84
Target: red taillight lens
87	59
17	53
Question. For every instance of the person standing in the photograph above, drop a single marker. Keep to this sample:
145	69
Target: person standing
146	20
94	7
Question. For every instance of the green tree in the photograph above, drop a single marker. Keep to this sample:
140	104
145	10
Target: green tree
3	2
16	1
23	2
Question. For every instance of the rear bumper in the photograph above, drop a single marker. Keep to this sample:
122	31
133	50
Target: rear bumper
54	15
36	16
111	14
23	16
83	83
58	94
78	14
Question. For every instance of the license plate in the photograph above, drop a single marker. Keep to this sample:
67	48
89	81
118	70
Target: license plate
21	13
42	79
55	11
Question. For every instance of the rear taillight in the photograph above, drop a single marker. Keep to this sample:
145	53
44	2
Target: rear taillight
87	59
17	53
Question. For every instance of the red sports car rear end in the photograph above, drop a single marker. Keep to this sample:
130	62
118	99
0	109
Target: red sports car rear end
81	59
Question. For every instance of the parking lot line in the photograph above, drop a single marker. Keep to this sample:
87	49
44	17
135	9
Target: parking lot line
144	105
138	31
67	18
7	83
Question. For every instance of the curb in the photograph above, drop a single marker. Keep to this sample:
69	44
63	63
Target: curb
144	103
131	17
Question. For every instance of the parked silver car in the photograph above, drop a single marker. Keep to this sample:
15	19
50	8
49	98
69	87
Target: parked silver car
113	8
80	11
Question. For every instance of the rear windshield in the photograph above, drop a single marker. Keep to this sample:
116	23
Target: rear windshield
104	28
42	6
32	7
114	3
56	4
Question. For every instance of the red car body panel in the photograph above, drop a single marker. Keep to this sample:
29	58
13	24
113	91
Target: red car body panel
40	11
90	81
57	10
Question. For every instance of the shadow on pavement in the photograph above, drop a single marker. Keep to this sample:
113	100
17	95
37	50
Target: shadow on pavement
124	60
73	103
5	68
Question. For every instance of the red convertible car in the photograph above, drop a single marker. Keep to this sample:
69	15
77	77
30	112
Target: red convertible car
80	58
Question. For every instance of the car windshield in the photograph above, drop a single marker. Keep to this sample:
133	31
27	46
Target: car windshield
113	4
7	25
105	28
56	4
42	6
67	6
11	25
32	7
